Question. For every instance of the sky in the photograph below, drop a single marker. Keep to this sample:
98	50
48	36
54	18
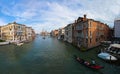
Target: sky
54	14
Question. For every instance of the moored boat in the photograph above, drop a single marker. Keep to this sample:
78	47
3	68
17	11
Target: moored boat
4	43
106	56
88	64
19	44
43	37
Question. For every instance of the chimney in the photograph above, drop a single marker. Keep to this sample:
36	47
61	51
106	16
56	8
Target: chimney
85	17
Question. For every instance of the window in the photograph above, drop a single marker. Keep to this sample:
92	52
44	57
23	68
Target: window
90	33
86	34
86	40
90	25
84	25
90	40
96	40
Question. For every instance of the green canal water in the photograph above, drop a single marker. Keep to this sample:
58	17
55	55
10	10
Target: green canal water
49	56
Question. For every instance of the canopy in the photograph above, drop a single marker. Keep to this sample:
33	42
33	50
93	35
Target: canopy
115	45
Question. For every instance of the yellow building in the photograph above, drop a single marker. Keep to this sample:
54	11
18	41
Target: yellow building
14	32
7	32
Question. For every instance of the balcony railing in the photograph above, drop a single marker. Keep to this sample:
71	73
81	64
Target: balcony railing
79	28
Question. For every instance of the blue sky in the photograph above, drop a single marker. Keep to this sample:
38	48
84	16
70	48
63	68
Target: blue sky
54	14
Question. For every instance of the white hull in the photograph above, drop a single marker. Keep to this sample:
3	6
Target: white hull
107	56
58	38
19	44
4	43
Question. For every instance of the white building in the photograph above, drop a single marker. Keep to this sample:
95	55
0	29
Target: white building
117	28
28	33
68	33
61	33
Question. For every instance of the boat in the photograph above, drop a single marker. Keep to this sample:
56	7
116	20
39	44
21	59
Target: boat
19	44
44	34
4	43
114	49
106	56
88	64
59	38
44	37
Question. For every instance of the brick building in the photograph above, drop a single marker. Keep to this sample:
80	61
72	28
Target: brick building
89	33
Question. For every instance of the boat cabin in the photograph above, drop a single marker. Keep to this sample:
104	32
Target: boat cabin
114	48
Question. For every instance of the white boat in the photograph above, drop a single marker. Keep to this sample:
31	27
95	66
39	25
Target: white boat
19	44
106	56
58	38
114	49
44	37
4	43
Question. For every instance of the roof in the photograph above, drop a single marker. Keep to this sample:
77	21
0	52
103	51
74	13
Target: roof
115	45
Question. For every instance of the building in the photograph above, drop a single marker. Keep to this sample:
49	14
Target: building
54	33
68	33
7	32
61	33
116	31
117	28
28	33
0	32
14	32
89	33
44	33
33	34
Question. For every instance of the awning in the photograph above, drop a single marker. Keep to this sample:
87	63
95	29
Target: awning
115	45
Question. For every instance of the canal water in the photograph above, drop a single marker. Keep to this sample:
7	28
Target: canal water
49	56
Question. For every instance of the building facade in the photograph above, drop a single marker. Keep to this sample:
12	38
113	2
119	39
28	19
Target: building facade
14	32
28	33
0	32
33	34
68	33
7	32
89	33
117	28
61	33
54	33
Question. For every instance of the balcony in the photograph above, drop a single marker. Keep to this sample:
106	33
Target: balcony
100	28
79	27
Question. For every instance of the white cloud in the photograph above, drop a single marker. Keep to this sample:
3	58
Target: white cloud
55	14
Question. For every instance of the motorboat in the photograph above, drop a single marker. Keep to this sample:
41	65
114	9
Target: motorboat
44	37
114	49
58	38
106	56
19	44
4	43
